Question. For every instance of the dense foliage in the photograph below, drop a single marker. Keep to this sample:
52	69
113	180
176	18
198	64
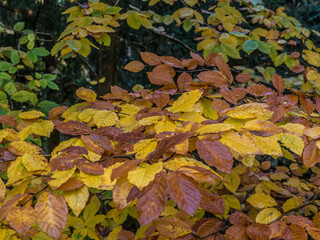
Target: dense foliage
224	144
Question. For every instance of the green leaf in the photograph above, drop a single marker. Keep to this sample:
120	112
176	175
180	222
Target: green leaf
30	44
3	111
5	66
32	56
290	62
104	39
18	26
249	46
263	47
238	34
15	59
2	95
187	25
57	47
230	51
49	76
21	96
134	21
52	85
4	76
112	10
46	106
10	88
43	83
280	59
12	70
32	84
33	98
75	45
41	51
167	20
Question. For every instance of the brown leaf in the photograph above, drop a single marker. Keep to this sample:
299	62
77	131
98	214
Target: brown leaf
184	80
75	150
295	55
171	227
298	232
91	168
8	120
237	232
101	141
199	174
243	77
224	68
91	144
153	198
171	61
233	96
307	104
71	184
117	93
212	203
213	78
130	137
103	105
161	75
214	153
52	213
65	161
278	83
297	69
7	205
185	192
210	59
197	57
239	218
206	226
55	112
220	105
161	99
124	168
311	154
73	128
258	231
259	90
316	220
110	132
21	219
134	66
125	235
150	58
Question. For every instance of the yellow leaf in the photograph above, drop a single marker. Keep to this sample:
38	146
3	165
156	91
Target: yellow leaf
105	118
43	128
312	132
261	201
106	182
90	180
86	94
31	114
144	147
144	174
60	177
191	3
172	227
134	20
16	171
2	190
292	203
25	132
232	181
166	125
293	142
215	128
77	199
185	102
113	235
231	201
242	144
268	145
267	215
311	57
250	110
191	116
149	120
23	147
34	162
208	110
87	114
99	29
295	128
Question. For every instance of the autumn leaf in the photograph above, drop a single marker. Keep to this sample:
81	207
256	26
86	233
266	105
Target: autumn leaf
77	199
134	66
267	215
86	94
186	101
261	201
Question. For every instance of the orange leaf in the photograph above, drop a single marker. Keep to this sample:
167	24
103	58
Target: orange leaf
243	77
150	58
21	219
134	66
311	154
278	83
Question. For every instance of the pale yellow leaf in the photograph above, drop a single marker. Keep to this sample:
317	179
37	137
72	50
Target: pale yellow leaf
268	145
166	125
295	128
43	128
293	142
144	147
250	110
34	162
267	215
90	180
60	177
106	182
214	128
231	201
232	181
77	199
185	102
31	114
149	120
105	118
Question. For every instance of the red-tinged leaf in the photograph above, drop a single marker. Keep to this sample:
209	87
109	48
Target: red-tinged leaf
109	132
233	96
86	94
55	112
161	99
21	219
295	55
130	137
150	58
224	68
220	105
185	192
8	120
197	57
153	198
75	150
278	113
73	128
117	93
239	218
277	229
191	64
297	69
199	174
237	232
259	90
161	75
212	203
292	99
101	141
91	168
214	153
278	83
311	154
103	105
298	232
65	162
91	145
71	184
167	143
52	213
124	168
7	205
171	61
213	78
184	81
307	104
134	66
258	231
243	77
125	235
206	226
